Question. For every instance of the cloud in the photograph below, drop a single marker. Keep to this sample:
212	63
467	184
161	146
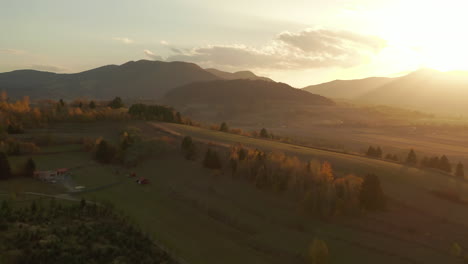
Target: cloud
331	43
49	68
123	40
12	51
151	55
303	50
163	42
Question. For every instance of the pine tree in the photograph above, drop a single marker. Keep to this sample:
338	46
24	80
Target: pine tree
212	160
370	151
5	169
411	159
460	171
29	168
264	133
444	164
116	103
378	152
371	196
92	105
224	127
104	153
189	149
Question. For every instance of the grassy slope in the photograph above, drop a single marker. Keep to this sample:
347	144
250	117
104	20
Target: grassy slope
401	182
212	219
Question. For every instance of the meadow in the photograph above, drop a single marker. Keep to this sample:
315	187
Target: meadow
207	217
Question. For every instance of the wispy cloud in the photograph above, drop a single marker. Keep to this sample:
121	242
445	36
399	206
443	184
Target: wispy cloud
163	42
48	68
151	55
302	50
12	51
123	40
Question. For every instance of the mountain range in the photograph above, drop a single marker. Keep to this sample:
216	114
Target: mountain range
134	79
425	89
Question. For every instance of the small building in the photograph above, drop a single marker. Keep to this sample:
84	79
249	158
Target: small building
142	181
51	175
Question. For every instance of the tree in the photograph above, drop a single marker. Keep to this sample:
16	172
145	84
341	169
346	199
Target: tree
189	149
61	103
116	103
264	133
178	118
411	159
318	252
105	153
378	152
444	164
460	171
29	168
371	196
224	127
212	160
371	151
92	105
5	169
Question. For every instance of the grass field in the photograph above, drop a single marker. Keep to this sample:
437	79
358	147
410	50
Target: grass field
206	218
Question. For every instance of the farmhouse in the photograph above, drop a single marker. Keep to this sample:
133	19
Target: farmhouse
51	175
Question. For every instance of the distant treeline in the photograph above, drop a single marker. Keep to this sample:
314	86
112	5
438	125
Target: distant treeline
440	163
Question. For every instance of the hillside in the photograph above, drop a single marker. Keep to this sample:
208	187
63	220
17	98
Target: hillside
236	75
140	79
425	89
241	92
348	89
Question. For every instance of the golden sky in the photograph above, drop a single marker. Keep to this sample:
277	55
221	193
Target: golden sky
297	41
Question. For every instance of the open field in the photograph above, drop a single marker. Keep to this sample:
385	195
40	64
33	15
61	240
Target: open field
203	217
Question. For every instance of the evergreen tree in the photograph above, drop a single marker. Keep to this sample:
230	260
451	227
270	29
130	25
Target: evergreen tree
5	169
178	118
29	168
189	149
116	103
371	151
224	127
212	160
460	171
412	159
444	164
371	196
378	152
61	103
104	153
92	105
264	133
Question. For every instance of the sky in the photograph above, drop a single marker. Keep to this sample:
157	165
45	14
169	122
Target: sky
300	42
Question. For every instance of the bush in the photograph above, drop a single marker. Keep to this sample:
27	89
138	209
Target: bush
105	153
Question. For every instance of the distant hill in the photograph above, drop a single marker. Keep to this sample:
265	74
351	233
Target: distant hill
140	79
425	89
241	92
237	75
348	89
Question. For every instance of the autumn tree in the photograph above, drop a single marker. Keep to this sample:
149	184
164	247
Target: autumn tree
318	252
